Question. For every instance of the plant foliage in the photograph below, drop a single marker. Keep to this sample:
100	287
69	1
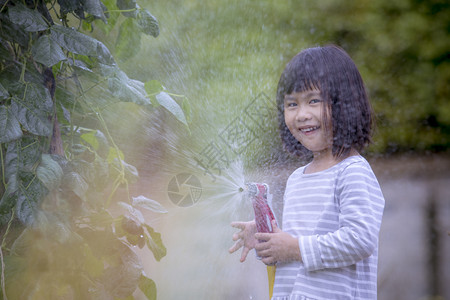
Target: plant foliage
63	235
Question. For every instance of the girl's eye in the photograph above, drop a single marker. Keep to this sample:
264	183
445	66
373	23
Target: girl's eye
314	101
291	104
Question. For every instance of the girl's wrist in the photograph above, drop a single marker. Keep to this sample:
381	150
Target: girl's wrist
295	252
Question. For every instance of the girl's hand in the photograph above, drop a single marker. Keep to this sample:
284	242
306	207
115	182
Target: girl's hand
244	238
278	246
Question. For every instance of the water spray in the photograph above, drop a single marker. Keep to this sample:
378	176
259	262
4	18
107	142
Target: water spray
258	193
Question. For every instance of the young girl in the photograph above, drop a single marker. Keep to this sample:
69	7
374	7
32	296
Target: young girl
333	206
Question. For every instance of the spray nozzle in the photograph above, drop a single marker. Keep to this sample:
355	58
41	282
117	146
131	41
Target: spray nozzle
260	197
252	189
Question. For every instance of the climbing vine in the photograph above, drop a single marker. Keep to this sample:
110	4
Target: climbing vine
64	234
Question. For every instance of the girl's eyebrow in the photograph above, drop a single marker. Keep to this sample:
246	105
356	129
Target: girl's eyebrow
308	95
289	97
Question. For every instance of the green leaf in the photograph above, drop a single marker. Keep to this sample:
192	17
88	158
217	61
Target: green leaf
98	141
148	287
63	113
111	14
153	87
114	154
28	19
90	138
12	164
34	121
34	95
79	43
47	51
8	199
12	32
144	202
31	104
9	126
80	65
154	243
121	281
22	155
87	25
147	23
103	54
23	189
7	203
67	100
128	42
22	243
74	41
101	218
67	6
131	173
94	7
132	212
127	5
75	182
126	89
100	170
49	172
172	106
4	94
29	197
51	226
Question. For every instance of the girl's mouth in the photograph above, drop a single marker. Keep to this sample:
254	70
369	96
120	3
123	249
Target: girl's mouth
309	129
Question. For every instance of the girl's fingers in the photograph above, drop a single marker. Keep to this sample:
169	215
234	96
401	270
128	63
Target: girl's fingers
244	253
262	236
236	246
270	261
275	226
239	225
262	249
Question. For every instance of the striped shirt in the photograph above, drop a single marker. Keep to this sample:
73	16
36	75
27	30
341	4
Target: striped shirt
336	214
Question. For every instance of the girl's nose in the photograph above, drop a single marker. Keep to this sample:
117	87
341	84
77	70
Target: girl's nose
303	114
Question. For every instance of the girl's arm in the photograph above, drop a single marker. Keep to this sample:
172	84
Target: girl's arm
361	205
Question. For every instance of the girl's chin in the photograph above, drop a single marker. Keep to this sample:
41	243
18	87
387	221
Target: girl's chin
320	150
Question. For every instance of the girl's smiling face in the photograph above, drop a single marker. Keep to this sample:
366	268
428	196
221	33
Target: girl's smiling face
303	115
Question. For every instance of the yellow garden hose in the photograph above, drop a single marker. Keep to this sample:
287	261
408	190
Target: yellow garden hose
271	277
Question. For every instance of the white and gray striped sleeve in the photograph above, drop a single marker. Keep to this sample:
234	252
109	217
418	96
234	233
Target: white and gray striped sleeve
361	206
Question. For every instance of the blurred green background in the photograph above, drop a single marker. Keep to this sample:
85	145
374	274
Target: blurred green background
222	54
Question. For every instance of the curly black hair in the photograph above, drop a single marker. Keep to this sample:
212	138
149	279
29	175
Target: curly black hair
330	70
